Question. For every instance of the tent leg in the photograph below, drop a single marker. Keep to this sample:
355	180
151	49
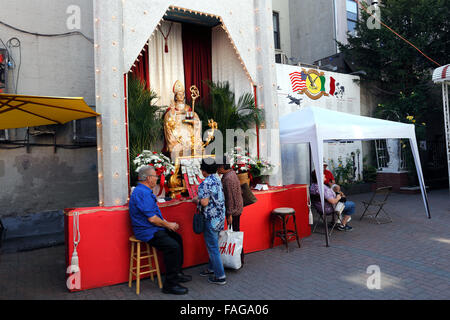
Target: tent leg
326	229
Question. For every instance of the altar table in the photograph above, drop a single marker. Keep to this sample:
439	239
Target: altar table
104	249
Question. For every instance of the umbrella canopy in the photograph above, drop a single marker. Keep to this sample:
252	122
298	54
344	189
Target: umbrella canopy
441	74
18	111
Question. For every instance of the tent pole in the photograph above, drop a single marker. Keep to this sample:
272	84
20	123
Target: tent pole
446	124
310	163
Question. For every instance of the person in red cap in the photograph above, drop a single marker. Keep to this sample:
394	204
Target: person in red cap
329	178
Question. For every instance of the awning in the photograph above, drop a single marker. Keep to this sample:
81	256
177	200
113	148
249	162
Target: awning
442	73
19	111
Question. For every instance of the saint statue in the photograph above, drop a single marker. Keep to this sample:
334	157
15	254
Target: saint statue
182	126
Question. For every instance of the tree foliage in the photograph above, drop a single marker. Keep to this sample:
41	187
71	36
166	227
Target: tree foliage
401	75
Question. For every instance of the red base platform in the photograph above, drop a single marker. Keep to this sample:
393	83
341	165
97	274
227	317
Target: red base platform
104	249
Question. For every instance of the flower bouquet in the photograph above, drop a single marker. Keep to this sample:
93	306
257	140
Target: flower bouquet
240	162
163	165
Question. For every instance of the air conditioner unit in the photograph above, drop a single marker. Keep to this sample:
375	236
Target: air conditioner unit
42	130
281	57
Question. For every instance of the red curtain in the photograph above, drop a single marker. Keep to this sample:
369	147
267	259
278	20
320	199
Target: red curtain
141	68
197	59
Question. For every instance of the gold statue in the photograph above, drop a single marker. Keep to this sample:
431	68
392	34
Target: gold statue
182	131
182	126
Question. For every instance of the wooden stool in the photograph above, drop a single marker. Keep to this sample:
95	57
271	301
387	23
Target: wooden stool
284	214
136	256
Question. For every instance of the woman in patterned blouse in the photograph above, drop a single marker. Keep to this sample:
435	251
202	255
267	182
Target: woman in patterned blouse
212	201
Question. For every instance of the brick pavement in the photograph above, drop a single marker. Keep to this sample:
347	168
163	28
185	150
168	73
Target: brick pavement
412	253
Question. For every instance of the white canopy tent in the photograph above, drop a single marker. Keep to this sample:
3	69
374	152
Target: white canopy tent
315	126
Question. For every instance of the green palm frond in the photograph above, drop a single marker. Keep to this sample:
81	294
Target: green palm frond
145	124
226	112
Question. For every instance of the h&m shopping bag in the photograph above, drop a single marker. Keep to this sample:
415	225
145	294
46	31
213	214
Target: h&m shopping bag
230	247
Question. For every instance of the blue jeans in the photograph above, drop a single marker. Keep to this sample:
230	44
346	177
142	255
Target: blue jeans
349	208
212	245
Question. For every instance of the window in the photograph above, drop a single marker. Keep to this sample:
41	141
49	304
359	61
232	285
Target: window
352	15
4	135
276	30
85	131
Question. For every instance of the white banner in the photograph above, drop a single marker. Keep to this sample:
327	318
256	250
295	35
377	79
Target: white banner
298	87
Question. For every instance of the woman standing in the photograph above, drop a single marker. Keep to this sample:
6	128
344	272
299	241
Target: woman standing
212	203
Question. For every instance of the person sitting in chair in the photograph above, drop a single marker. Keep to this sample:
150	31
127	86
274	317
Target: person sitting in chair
149	226
331	200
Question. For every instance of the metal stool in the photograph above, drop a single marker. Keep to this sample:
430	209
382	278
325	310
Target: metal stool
284	214
136	256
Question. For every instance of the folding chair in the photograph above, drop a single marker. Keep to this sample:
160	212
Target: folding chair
336	217
378	199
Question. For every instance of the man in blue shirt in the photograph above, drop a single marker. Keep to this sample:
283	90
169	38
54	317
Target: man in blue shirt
149	226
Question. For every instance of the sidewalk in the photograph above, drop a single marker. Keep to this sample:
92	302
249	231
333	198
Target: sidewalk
412	252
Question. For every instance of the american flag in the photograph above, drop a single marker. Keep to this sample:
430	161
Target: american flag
298	80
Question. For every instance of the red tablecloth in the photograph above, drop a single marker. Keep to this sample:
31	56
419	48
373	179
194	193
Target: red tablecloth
104	249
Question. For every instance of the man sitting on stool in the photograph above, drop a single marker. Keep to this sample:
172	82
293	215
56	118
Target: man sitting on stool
149	226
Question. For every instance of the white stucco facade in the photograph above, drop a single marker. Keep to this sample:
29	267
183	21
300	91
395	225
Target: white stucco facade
122	28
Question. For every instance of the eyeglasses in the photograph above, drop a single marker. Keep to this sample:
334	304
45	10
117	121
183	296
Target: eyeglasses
153	175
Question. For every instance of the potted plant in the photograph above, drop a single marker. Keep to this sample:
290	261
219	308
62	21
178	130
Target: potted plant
249	169
162	164
241	163
145	123
260	171
226	112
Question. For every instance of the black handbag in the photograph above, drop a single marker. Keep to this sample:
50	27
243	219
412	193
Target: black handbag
198	222
247	195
